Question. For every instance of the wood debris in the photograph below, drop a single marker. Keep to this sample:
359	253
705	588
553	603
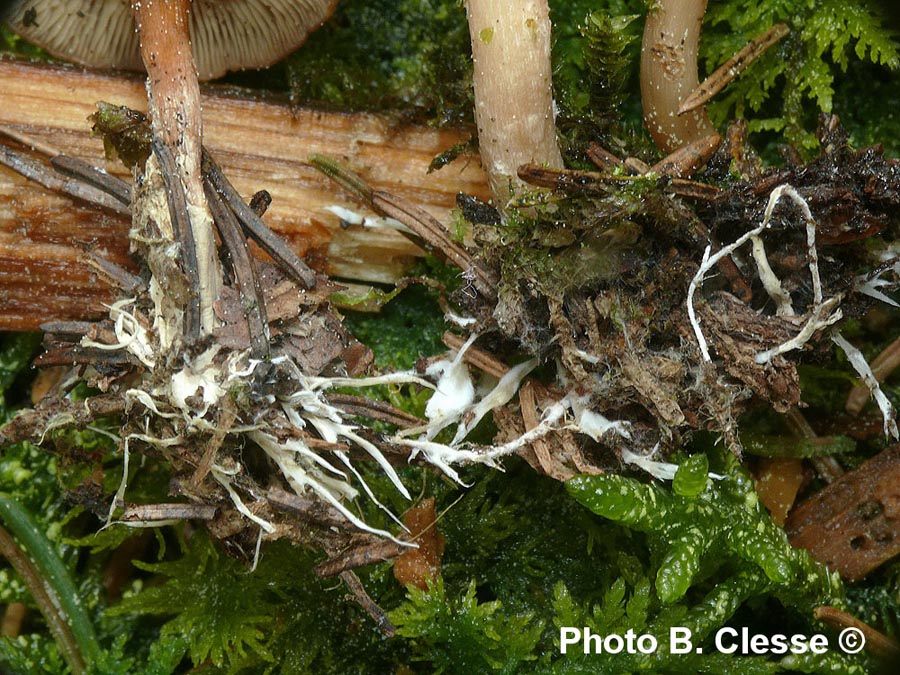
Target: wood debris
853	525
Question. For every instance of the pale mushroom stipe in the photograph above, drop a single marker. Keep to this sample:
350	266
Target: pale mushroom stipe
513	91
669	73
177	42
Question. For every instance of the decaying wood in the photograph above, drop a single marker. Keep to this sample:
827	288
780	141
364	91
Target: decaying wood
44	236
853	525
422	228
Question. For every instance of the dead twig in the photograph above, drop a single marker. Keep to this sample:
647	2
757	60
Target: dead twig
371	608
827	467
154	513
475	356
689	158
379	411
115	275
310	510
255	228
39	173
592	182
733	67
359	556
528	405
181	223
75	168
245	270
429	233
30	425
877	643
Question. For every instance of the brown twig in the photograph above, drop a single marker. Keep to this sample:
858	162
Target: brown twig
528	405
434	237
308	509
141	513
30	424
81	170
590	182
245	270
877	642
359	556
39	173
115	275
74	167
827	467
255	228
603	158
379	411
29	141
184	234
363	600
733	67
226	418
689	158
429	233
475	356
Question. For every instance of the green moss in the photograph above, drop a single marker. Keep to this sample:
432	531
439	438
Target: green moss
594	54
522	558
382	54
827	35
406	329
10	42
463	635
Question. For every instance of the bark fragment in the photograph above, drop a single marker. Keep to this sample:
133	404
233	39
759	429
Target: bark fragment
853	525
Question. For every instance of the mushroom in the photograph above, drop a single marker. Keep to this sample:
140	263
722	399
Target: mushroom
669	73
513	93
225	34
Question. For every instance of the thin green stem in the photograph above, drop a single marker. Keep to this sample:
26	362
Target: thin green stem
50	584
341	175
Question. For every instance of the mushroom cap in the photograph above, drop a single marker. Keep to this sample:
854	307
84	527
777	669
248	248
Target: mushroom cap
226	34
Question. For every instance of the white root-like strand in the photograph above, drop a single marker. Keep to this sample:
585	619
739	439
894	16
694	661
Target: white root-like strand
820	316
861	366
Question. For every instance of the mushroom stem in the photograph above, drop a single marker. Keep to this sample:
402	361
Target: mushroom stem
513	95
669	73
174	95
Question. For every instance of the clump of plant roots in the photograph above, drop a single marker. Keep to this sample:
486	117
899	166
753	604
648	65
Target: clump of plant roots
670	305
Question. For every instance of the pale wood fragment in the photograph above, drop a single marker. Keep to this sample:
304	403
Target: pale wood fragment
260	144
